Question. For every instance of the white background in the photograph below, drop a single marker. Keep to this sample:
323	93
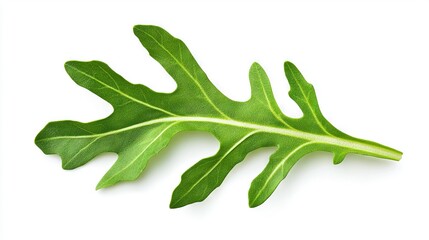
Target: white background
368	61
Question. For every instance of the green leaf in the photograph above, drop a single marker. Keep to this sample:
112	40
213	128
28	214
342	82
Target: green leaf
144	121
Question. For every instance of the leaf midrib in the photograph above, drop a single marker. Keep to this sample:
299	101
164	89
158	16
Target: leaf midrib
360	146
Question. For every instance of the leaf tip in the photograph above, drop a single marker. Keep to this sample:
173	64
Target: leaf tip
99	186
254	197
178	199
254	203
174	205
69	64
288	63
37	139
103	184
66	164
255	65
41	139
70	67
177	203
339	158
291	70
138	29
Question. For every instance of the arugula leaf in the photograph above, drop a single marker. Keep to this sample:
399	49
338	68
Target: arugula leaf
144	121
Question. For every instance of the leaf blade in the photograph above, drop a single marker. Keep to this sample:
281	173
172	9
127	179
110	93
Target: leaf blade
144	121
